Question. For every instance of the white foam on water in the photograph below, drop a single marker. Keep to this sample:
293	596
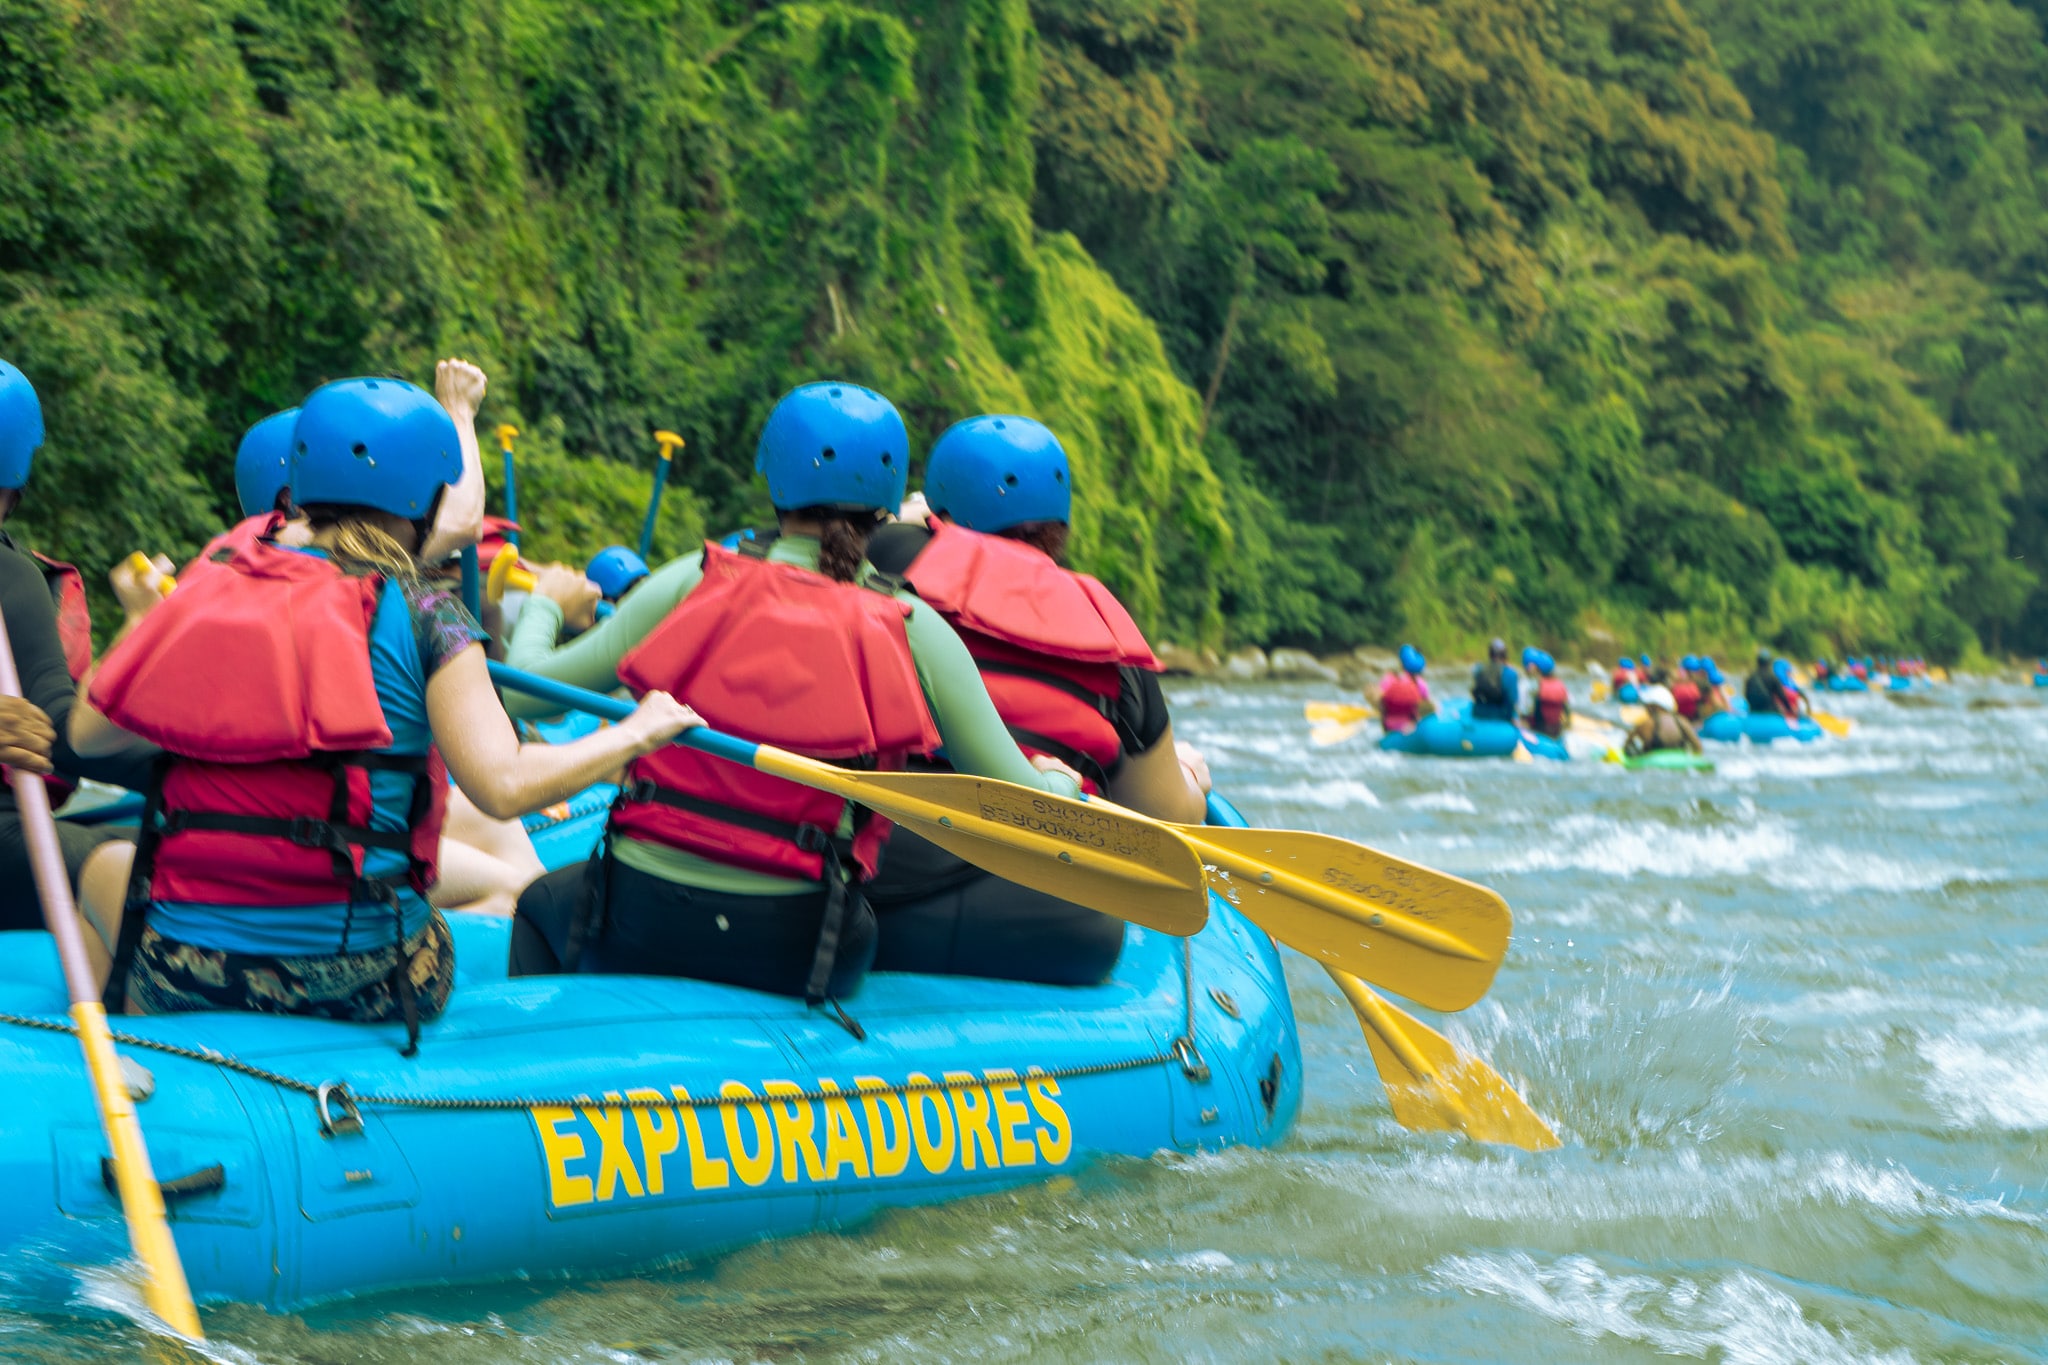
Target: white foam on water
1454	802
1333	794
1740	1319
1624	848
1680	1190
1991	1071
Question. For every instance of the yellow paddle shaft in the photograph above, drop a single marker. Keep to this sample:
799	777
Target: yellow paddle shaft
166	1291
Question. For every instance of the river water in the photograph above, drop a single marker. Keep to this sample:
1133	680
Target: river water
1790	1019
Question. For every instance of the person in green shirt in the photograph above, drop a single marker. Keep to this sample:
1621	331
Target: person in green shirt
719	872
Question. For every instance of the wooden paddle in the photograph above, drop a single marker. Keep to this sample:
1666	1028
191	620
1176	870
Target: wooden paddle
149	1231
1122	865
1431	1086
1434	938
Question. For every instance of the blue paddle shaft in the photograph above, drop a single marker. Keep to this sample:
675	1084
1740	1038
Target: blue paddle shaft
703	737
653	508
472	583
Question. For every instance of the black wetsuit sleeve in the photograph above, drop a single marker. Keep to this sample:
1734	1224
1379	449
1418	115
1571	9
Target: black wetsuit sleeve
1140	716
892	547
45	680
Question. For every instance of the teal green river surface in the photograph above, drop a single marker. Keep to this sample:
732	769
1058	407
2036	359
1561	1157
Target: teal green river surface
1790	1019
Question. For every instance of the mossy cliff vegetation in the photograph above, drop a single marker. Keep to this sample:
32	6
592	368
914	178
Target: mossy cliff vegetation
1360	320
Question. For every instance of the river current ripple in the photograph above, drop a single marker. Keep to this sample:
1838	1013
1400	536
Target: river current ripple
1790	1019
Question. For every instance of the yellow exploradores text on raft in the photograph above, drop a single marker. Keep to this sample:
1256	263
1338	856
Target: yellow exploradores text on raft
785	1134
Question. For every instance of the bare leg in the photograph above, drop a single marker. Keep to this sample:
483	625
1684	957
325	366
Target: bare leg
102	891
485	863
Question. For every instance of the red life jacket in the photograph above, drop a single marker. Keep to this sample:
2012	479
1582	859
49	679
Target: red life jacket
1552	700
1051	643
1623	677
776	654
74	633
1401	699
254	677
1686	693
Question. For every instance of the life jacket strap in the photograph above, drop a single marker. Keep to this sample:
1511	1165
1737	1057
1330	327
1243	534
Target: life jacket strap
809	838
1065	753
1095	699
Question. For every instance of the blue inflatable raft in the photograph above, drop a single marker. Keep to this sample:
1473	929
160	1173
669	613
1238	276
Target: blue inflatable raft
1731	728
1846	682
1463	737
592	1125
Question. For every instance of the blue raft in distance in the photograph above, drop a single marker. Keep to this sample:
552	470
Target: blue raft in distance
1730	728
1462	737
511	1145
1846	682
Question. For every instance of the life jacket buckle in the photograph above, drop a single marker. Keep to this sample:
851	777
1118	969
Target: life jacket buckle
307	832
812	839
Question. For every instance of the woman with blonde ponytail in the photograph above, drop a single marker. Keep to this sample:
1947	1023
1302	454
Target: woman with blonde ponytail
311	703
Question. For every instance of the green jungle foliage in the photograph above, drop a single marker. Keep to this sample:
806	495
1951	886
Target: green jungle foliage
1681	324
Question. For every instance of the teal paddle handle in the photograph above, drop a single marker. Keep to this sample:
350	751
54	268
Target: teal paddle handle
702	737
653	509
511	495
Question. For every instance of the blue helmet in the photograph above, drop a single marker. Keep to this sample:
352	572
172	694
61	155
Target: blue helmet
379	443
834	445
263	462
1545	664
615	569
1412	660
1530	654
993	472
1644	661
21	426
1782	671
1690	663
1714	674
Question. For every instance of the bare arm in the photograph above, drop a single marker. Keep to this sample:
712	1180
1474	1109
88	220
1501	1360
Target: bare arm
459	386
1156	783
506	778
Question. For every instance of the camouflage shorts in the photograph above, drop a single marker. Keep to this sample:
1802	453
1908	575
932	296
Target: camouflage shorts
169	977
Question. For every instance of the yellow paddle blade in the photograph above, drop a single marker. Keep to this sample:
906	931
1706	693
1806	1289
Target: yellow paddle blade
1325	733
1091	854
1612	756
1335	712
1522	754
1433	1087
1599	690
1594	725
1632	714
1432	937
1834	725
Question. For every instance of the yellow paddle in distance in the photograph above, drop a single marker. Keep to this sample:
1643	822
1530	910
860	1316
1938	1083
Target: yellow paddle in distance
142	1202
1333	722
1081	851
1838	726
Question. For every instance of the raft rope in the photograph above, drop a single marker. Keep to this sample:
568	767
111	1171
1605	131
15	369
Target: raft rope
1182	1052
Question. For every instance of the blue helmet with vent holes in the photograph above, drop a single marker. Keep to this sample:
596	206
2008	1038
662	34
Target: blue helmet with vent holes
993	472
836	446
263	462
380	443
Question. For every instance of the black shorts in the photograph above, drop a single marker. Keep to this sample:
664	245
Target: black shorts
20	907
940	915
655	927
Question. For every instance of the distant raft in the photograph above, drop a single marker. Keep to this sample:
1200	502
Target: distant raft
1729	728
1673	760
1846	682
1463	737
